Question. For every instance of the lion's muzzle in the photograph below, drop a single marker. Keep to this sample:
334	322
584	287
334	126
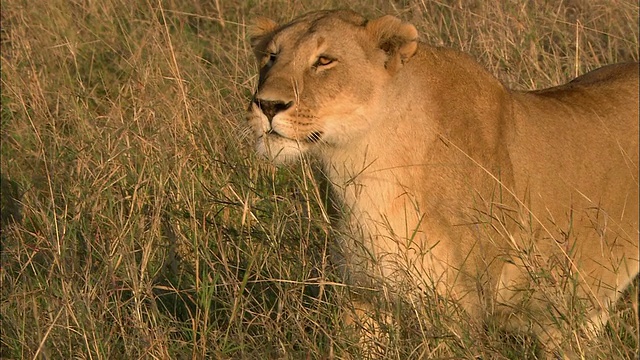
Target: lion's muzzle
271	108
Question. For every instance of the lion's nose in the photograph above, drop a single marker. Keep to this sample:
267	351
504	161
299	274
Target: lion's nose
272	108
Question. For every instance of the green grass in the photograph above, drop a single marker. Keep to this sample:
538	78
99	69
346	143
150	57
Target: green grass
138	223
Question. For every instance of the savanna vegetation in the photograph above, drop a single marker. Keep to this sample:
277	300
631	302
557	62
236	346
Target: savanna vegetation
138	223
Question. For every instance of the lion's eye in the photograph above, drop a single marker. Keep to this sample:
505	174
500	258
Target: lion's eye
323	61
271	59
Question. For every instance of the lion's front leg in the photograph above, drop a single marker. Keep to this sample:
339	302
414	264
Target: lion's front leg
370	323
525	303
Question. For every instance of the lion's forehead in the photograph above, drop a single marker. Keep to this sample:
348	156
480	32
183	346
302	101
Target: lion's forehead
316	31
321	18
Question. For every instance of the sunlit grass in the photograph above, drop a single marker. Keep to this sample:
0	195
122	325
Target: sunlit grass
138	223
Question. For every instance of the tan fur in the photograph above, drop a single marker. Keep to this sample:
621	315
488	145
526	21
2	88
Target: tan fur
450	181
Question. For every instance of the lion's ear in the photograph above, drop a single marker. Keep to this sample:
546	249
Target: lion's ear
398	39
260	27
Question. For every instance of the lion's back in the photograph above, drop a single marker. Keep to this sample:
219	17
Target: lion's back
578	144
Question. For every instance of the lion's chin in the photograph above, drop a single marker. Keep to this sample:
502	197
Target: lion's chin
280	150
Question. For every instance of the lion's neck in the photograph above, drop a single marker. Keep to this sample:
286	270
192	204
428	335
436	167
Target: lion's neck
375	183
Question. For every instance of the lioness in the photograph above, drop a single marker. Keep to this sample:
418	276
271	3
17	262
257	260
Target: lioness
450	182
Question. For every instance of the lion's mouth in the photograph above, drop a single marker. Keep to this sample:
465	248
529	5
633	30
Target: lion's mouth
274	134
313	137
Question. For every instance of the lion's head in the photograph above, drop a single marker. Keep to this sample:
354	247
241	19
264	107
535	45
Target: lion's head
320	78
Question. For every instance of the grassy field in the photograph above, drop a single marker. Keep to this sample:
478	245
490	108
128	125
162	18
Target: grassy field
137	222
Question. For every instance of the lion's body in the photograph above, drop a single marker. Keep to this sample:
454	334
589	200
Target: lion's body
447	179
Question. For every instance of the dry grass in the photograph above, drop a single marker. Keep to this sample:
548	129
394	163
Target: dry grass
136	220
